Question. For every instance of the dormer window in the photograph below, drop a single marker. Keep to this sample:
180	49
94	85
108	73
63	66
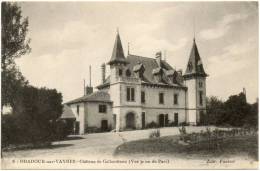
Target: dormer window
157	73
128	73
139	70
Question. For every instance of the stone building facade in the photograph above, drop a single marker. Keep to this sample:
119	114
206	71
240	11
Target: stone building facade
141	92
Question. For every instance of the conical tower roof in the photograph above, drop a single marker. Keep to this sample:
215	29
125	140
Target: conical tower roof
195	66
118	52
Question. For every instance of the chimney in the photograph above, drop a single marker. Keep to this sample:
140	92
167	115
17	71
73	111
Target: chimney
244	92
84	88
90	75
103	71
158	57
89	89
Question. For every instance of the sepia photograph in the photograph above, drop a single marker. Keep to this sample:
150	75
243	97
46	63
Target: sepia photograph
129	85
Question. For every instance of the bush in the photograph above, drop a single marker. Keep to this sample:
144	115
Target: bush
61	130
155	134
152	125
172	124
35	112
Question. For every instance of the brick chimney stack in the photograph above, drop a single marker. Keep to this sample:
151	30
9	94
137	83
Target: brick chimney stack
158	57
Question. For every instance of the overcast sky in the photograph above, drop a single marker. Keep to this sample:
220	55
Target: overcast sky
67	37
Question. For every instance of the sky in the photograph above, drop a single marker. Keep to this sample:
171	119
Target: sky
67	37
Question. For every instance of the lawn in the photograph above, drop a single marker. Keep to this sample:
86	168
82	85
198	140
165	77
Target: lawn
169	145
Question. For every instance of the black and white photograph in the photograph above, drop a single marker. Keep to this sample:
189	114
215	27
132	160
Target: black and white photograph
129	84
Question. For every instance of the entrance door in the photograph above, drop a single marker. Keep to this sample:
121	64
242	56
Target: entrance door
161	120
143	120
104	125
130	121
176	118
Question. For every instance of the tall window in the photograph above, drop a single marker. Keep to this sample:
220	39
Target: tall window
142	97
130	94
201	97
120	72
175	99
102	108
78	109
161	98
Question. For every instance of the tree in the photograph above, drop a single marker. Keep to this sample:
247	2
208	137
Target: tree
252	117
215	110
14	44
35	114
236	110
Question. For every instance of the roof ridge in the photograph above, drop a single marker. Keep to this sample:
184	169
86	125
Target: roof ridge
141	56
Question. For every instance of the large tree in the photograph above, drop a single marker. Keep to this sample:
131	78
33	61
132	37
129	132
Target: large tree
14	44
215	110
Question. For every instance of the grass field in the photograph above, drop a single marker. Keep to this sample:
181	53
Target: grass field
246	146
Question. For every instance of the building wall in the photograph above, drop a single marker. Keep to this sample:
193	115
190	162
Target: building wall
152	115
137	111
151	107
152	97
94	118
80	117
203	89
193	99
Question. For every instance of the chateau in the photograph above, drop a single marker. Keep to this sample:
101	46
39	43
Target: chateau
141	92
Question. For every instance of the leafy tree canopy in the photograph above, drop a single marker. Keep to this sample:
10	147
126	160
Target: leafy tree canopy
14	31
14	44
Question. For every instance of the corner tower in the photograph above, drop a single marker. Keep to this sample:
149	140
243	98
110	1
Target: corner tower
195	80
117	61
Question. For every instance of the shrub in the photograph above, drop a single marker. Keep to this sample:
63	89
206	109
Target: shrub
61	130
152	125
172	124
155	134
35	111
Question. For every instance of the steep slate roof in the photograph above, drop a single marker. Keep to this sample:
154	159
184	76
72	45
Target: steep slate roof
118	52
67	113
98	96
150	66
195	66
